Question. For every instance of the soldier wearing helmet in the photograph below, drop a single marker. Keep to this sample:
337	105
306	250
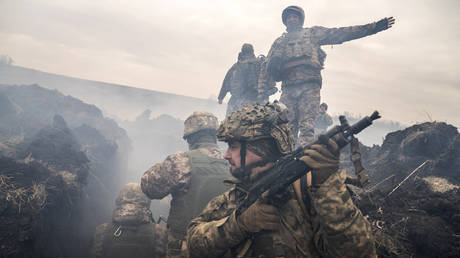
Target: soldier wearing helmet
192	178
247	81
315	217
296	59
132	232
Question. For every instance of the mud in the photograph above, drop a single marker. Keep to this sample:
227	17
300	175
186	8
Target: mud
59	166
414	212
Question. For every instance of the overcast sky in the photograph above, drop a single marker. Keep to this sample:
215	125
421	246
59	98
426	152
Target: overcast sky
410	73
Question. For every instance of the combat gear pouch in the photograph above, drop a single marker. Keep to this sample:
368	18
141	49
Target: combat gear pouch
129	241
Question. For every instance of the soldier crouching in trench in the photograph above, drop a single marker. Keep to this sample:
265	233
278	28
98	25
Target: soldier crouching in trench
132	232
316	217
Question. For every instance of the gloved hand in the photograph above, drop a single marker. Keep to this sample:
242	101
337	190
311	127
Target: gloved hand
258	217
219	101
384	24
323	159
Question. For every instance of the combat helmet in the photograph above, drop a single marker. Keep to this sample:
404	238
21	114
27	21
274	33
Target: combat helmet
293	9
247	49
133	206
324	105
199	121
256	122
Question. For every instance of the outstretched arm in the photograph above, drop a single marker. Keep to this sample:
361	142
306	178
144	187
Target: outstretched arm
331	36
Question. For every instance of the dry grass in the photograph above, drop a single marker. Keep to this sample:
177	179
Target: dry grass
33	197
438	184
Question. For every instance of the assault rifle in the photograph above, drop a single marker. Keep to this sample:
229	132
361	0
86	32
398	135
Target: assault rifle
289	168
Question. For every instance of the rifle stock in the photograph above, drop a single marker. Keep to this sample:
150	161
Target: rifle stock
289	168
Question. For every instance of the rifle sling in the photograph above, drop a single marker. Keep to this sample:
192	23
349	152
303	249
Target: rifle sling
300	188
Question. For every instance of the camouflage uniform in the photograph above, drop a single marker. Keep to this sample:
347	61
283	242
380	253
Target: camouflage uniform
192	178
131	232
322	122
247	81
331	226
296	59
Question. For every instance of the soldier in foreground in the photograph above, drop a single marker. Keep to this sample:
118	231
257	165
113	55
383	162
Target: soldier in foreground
247	81
323	120
296	59
192	178
315	218
132	232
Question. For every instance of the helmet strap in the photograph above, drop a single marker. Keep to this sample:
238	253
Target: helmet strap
242	172
245	171
243	155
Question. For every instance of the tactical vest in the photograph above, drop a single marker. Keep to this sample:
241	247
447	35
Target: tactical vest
244	78
129	241
206	182
299	49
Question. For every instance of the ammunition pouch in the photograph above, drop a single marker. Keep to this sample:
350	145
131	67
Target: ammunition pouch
274	68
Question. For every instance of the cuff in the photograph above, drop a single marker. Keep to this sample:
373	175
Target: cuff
230	224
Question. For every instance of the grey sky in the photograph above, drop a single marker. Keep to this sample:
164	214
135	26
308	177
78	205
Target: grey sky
409	73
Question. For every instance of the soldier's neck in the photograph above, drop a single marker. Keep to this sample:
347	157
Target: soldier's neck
293	29
201	144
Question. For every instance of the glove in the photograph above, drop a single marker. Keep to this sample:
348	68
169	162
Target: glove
258	217
384	24
323	159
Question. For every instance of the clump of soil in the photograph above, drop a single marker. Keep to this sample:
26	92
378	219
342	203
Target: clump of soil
59	159
413	202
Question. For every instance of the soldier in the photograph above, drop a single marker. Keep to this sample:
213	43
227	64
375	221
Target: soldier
247	81
315	218
131	232
296	59
192	178
323	120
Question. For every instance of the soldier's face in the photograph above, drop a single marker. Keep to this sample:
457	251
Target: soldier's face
292	20
234	159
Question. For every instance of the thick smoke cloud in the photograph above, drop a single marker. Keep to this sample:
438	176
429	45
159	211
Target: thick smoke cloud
186	48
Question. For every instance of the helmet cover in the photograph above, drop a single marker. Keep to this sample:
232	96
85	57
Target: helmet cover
200	121
293	9
256	122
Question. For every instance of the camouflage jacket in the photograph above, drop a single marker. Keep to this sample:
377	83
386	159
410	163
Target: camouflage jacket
323	121
248	79
173	174
299	53
337	228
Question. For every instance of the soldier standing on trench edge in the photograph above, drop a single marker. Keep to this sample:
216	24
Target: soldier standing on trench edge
296	59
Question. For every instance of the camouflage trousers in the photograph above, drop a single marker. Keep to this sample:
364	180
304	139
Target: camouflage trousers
302	102
236	103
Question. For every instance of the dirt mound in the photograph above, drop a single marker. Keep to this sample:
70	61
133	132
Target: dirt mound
59	162
403	151
413	201
35	202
